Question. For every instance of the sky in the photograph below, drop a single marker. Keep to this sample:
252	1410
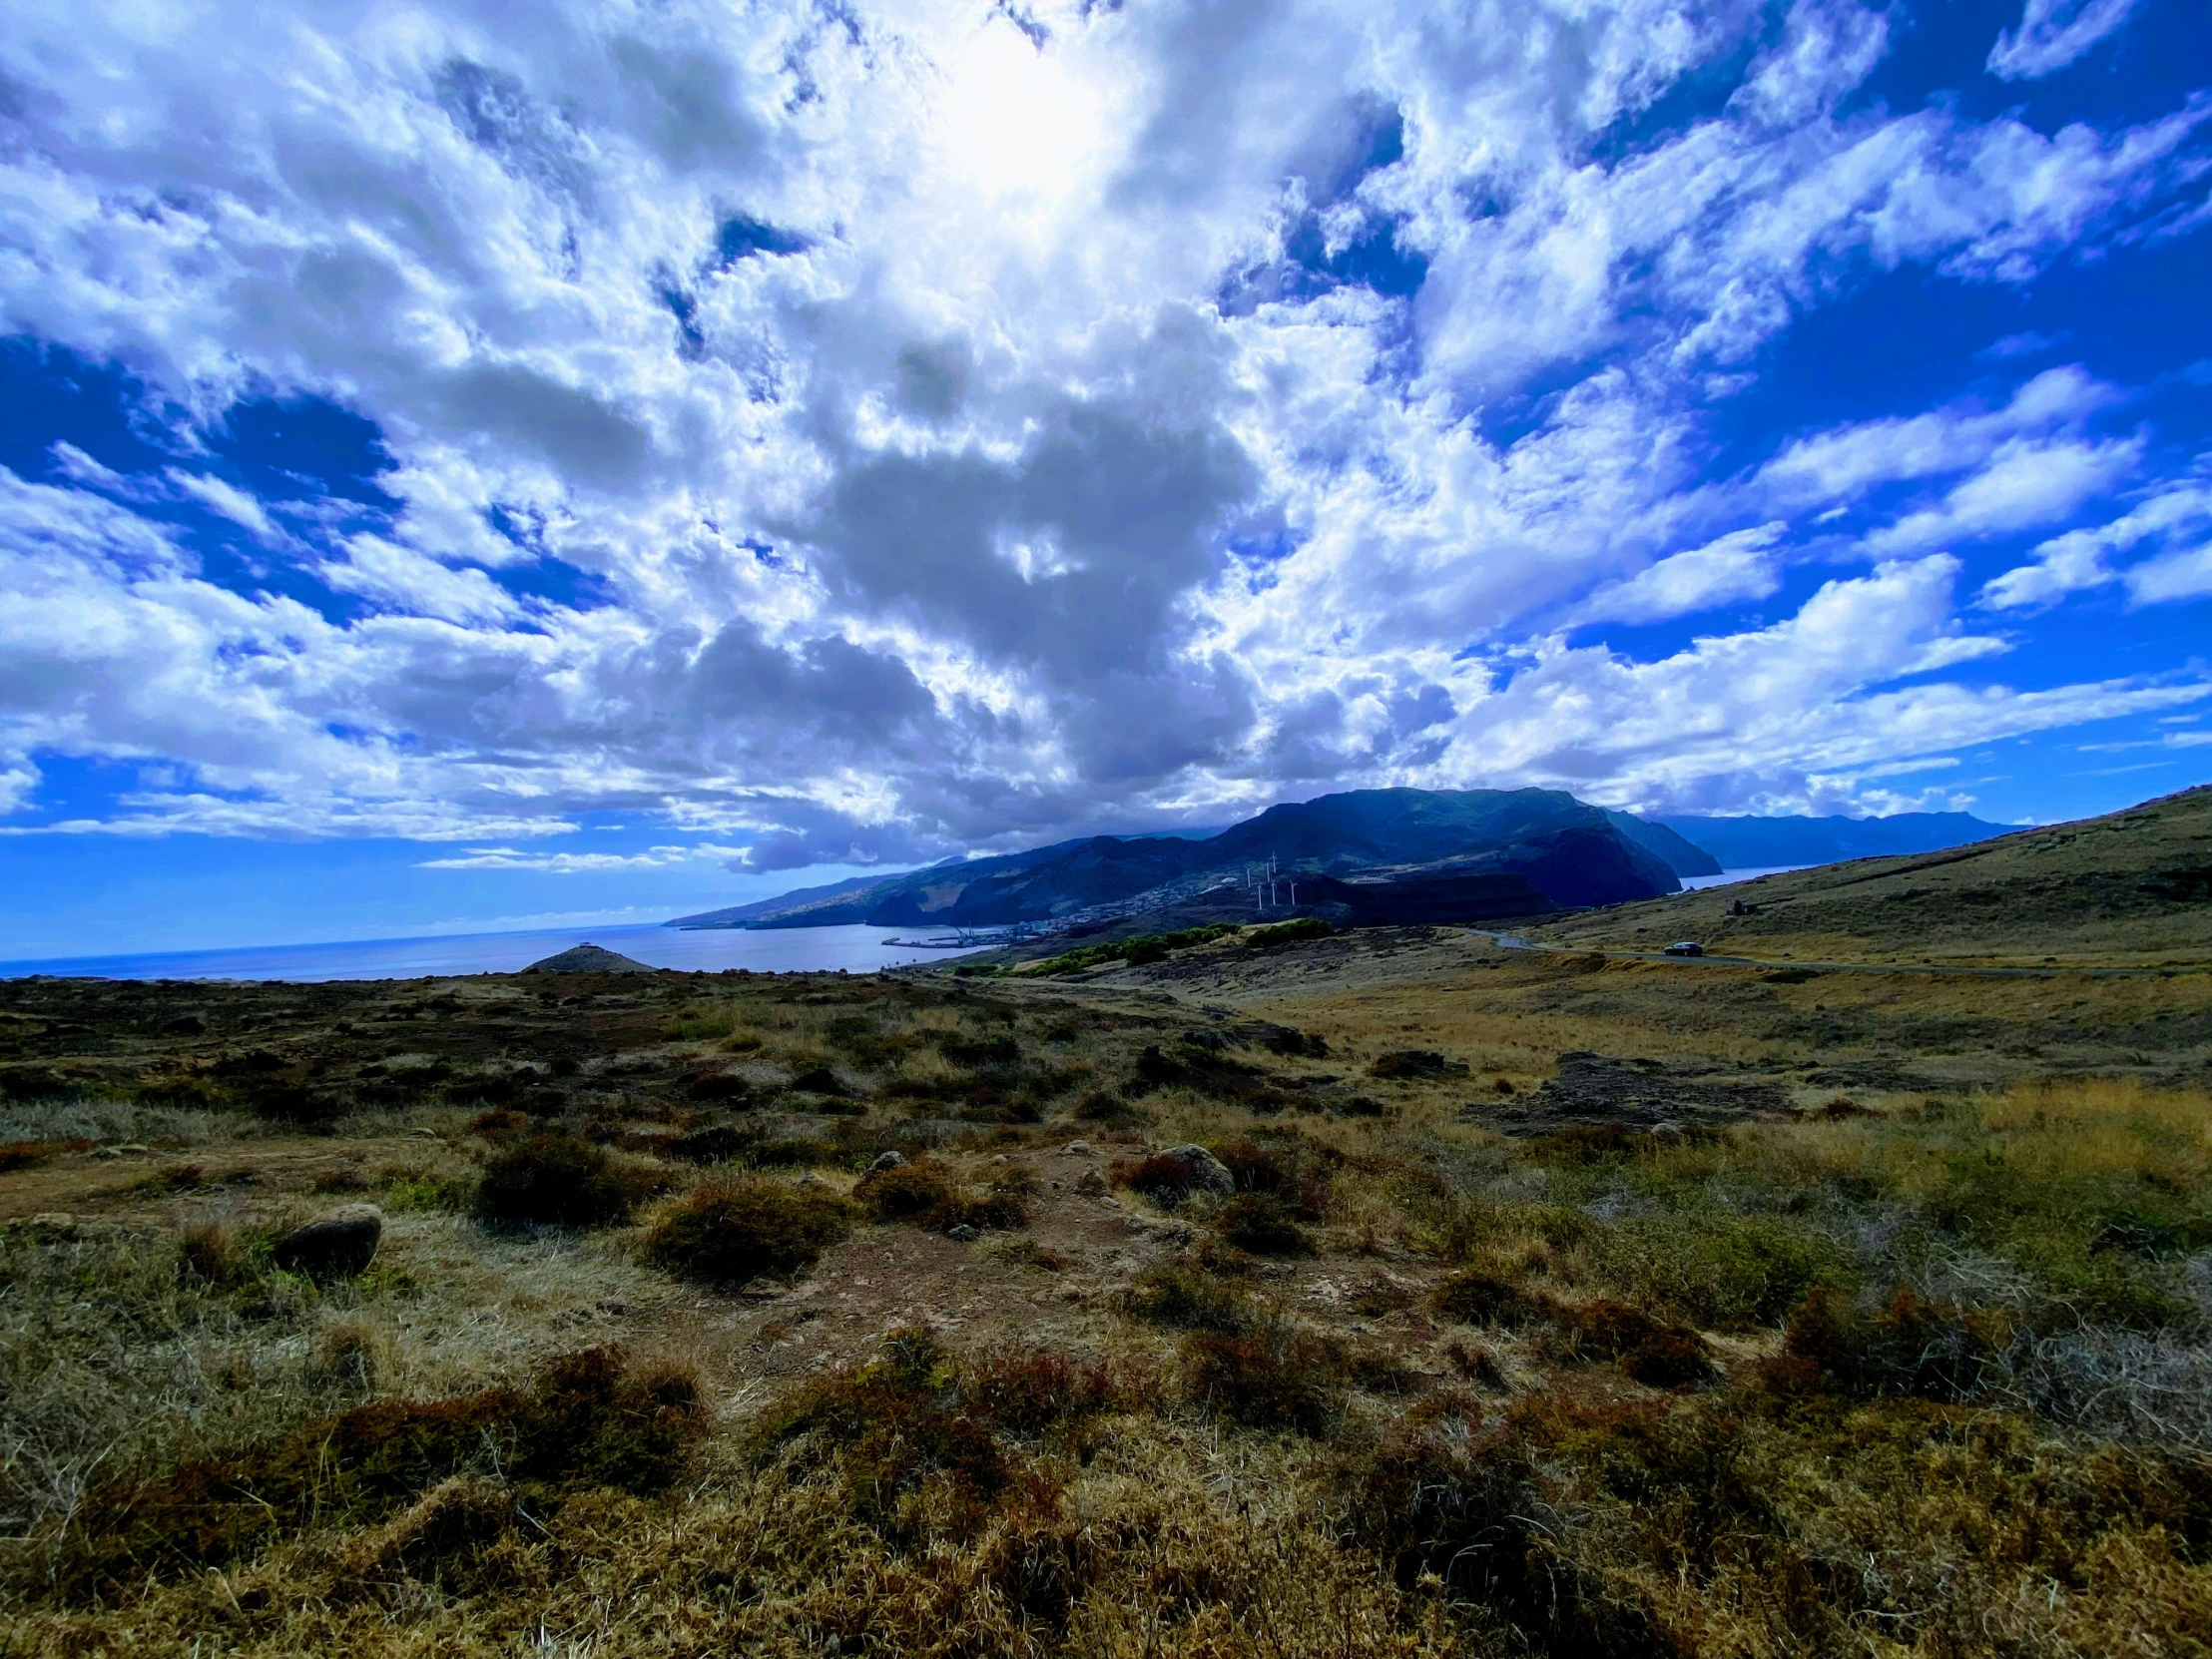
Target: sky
470	466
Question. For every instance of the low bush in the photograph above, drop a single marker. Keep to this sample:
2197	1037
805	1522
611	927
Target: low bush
1295	1169
915	1460
1651	1351
1264	1225
819	1080
1654	1353
1478	1297
923	1192
1183	1297
1904	1345
1145	947
1271	1375
556	1180
731	1231
589	1419
1030	1393
1287	932
1725	1271
212	1253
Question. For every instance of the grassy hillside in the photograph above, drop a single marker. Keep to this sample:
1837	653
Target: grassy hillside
1523	1302
2132	890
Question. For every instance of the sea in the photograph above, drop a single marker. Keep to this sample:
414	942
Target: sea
704	951
1729	878
700	950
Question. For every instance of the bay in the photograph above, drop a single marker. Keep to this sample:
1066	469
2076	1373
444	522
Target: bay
707	950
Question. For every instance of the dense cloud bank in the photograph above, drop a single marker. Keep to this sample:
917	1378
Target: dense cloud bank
860	432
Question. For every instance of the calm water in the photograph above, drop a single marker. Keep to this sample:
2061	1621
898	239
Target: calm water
786	950
1728	877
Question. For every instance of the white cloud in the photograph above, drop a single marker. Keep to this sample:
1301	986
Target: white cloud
860	436
2078	559
2053	34
1733	567
2172	576
571	864
2022	486
227	500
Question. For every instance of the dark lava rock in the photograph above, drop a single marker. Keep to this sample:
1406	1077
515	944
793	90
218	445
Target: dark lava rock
1281	1039
338	1245
1594	1090
588	958
1416	1062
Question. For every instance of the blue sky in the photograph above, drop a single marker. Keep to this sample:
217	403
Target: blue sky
463	468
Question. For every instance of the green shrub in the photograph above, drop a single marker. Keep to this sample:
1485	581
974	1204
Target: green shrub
1145	947
1723	1272
731	1231
555	1179
1287	932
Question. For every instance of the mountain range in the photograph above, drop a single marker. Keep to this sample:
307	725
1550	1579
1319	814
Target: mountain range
1364	855
1763	842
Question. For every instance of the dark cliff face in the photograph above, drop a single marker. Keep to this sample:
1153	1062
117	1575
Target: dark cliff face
1399	826
1533	849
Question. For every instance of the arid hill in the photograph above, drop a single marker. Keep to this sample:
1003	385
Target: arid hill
2130	889
1247	1294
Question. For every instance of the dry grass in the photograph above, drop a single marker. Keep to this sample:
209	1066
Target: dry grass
1933	1379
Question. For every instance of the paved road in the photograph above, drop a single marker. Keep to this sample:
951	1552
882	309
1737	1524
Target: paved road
1514	941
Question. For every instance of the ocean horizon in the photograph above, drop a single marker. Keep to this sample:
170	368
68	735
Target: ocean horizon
856	949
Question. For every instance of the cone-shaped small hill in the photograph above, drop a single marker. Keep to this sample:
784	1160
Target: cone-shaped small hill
588	958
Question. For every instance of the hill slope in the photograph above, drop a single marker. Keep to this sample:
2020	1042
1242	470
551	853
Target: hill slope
2133	889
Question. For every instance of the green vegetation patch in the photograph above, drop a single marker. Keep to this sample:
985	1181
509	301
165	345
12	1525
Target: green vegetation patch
1145	947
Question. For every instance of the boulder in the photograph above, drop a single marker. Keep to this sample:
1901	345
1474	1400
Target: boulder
887	1160
962	1232
1202	1170
339	1243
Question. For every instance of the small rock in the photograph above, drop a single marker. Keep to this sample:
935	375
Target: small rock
964	1234
424	1135
761	1290
1091	1184
809	1181
337	1245
888	1159
1003	1159
1077	1149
